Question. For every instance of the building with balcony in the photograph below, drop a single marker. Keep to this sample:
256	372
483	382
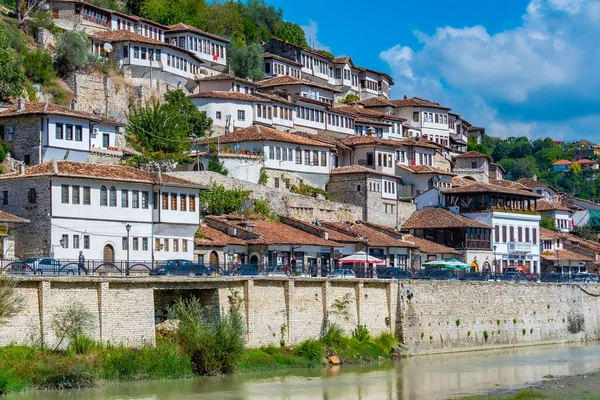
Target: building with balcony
511	212
561	215
280	66
556	258
541	188
209	48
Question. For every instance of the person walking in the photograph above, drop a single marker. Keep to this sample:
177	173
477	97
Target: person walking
81	263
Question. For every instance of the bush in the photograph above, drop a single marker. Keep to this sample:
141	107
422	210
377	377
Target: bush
38	66
10	303
72	51
82	344
310	349
361	333
334	336
70	322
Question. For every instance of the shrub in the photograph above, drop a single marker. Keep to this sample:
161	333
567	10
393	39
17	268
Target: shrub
81	344
311	349
468	333
458	322
10	303
334	336
69	322
361	333
498	322
72	51
485	335
386	340
524	331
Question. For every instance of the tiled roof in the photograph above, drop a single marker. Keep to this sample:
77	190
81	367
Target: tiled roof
475	128
547	234
545	205
531	182
257	133
288	80
128	36
274	98
95	171
323	138
508	184
428	247
458	181
474	154
564	255
420	143
385	75
377	102
365	112
423	169
371	140
377	238
438	218
359	169
487	188
183	27
586	161
214	237
562	162
6	217
417	102
228	96
226	77
47	108
272	232
282	59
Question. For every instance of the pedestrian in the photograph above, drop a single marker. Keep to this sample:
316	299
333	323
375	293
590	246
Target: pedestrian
81	263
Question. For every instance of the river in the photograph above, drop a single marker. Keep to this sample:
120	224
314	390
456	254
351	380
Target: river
427	377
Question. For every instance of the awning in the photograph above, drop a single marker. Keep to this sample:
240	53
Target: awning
360	257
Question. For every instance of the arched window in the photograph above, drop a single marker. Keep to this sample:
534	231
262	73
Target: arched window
113	196
103	196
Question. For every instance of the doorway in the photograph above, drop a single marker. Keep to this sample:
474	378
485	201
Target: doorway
109	254
55	14
214	259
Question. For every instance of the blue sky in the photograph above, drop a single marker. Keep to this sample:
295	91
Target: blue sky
517	67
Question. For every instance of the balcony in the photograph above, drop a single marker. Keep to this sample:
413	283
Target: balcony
519	248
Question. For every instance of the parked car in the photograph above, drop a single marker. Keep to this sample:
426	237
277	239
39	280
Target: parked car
20	268
437	274
585	277
178	268
393	273
477	276
342	274
554	277
275	271
245	270
50	266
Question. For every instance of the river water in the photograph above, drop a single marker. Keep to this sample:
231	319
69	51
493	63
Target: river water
426	377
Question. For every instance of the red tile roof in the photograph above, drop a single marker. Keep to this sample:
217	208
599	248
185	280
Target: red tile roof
365	112
180	27
266	56
458	181
47	109
10	218
428	247
128	36
229	96
377	237
95	171
256	133
419	142
288	80
377	102
359	169
214	237
226	77
545	205
586	161
487	188
564	255
562	162
274	98
279	233
474	154
371	140
547	234
438	218
418	102
508	184
423	169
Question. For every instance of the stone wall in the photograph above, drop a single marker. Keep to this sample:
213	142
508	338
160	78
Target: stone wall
280	201
27	137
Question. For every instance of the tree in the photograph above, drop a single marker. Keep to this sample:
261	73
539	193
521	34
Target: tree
293	33
26	7
547	223
220	201
350	99
524	168
161	134
588	232
472	145
72	51
246	61
10	303
260	20
134	6
12	77
216	165
197	121
38	67
575	169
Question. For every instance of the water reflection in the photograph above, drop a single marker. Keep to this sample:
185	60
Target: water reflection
431	377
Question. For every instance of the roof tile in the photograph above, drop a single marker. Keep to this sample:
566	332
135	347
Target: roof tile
437	218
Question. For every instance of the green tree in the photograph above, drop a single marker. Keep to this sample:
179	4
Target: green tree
524	168
350	99
38	67
72	51
547	223
12	77
472	145
260	20
293	33
216	165
219	201
327	53
246	61
588	232
134	6
575	169
161	134
197	121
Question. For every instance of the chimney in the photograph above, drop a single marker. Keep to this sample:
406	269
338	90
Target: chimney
54	167
370	131
74	105
20	104
21	169
405	97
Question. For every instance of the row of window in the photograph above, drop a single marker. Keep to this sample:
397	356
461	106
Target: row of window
432	118
68	132
361	130
340	121
313	63
182	64
425	159
385	160
281	69
202	46
389	187
311	157
94	16
523	234
369	84
269	112
310	114
183	202
137	243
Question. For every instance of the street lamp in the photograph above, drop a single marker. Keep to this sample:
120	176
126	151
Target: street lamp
558	260
366	254
494	260
128	227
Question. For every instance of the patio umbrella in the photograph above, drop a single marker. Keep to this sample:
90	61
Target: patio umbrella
458	263
439	263
360	257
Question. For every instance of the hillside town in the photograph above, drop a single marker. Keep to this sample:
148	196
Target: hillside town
343	167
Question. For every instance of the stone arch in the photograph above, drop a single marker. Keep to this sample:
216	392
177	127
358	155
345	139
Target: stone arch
108	254
254	258
198	167
213	258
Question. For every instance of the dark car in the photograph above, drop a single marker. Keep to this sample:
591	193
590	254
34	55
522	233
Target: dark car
437	274
245	270
393	273
178	268
554	277
585	277
50	266
477	276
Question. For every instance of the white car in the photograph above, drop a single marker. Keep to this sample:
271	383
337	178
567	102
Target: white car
342	274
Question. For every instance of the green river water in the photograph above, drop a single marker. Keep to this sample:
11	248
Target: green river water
426	377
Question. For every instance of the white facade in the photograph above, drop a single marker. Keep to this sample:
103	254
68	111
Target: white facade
100	225
516	238
205	47
432	122
103	136
65	138
235	113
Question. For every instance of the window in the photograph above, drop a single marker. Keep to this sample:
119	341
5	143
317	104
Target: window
124	198
78	133
144	199
534	235
145	244
176	245
75	195
156	244
184	245
86	241
497	233
103	196
218	115
436	118
323	158
165	201
5	197
105	140
241	115
166	245
144	53
68	132
183	202
192	203
27	159
135	244
86	195
31	196
512	233
113	196
520	233
135	199
173	201
58	129
75	241
276	183
503	233
527	234
298	155
278	153
315	158
64	194
379	163
124	242
125	51
136	52
65	241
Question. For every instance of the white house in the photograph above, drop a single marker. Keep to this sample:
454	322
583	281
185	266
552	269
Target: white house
280	66
374	84
87	207
212	49
561	215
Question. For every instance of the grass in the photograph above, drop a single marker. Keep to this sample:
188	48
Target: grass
533	394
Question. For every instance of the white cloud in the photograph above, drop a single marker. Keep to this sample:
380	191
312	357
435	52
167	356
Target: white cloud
310	32
550	55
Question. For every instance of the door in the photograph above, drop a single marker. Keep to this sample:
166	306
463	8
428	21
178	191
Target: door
55	14
214	259
109	254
